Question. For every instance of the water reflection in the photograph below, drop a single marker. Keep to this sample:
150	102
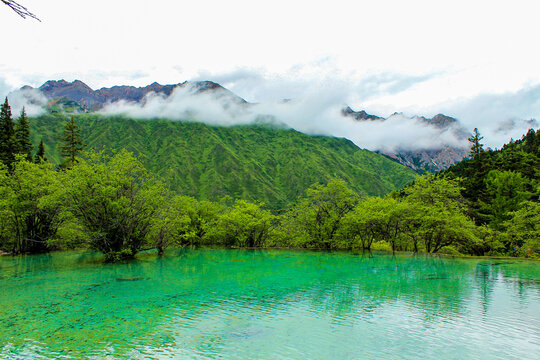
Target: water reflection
268	303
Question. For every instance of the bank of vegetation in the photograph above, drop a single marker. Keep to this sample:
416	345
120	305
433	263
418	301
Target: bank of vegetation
108	201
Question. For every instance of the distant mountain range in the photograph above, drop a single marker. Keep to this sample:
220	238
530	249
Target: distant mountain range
76	96
92	100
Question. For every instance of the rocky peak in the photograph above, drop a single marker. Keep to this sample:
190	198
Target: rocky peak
441	121
359	115
76	91
92	100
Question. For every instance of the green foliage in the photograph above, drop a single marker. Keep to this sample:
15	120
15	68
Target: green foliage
244	225
254	163
371	220
523	230
315	220
111	203
29	211
7	135
505	191
115	199
40	153
71	143
477	148
497	182
184	221
22	136
442	210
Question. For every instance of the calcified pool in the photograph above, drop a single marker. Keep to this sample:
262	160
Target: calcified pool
268	304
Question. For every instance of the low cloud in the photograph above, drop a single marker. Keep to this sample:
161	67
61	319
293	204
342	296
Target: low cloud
499	117
32	100
315	104
317	112
5	88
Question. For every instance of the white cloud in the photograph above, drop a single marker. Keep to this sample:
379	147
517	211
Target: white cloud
5	88
31	99
317	112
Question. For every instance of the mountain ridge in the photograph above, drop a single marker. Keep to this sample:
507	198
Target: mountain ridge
89	100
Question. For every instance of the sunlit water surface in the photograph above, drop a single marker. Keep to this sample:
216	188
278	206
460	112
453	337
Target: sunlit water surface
268	304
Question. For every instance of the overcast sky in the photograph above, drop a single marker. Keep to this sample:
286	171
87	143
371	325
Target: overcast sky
476	60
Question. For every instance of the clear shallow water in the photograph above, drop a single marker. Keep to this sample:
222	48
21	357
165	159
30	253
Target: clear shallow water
268	304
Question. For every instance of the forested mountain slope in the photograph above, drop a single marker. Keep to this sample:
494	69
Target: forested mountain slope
257	163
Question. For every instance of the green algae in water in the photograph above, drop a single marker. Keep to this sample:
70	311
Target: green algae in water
271	304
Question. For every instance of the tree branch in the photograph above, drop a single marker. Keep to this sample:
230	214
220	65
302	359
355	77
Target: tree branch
19	9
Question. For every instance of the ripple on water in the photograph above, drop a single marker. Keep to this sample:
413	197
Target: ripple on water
236	304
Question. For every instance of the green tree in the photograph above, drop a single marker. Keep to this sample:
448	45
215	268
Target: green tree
30	210
245	225
362	226
23	145
505	190
6	234
115	199
523	230
71	143
40	153
181	221
441	214
315	219
477	148
7	135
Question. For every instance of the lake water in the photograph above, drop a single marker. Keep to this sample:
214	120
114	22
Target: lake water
268	304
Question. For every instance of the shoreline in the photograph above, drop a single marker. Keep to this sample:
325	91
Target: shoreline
358	251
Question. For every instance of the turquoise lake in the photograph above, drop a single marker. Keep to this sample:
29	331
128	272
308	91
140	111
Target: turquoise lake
268	304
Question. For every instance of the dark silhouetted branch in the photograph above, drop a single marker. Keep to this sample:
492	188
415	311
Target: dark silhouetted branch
19	9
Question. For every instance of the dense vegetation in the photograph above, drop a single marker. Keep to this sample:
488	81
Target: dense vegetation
255	163
502	190
109	201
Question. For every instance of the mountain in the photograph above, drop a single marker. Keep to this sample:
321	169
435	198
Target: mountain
77	97
359	115
92	100
428	160
252	162
418	159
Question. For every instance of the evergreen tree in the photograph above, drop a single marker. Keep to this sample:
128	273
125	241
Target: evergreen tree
7	133
72	143
476	147
530	142
22	136
40	153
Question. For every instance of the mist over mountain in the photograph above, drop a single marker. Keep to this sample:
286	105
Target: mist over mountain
251	162
96	99
424	144
418	158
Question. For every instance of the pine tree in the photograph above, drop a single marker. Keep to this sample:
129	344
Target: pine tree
476	147
40	153
72	143
22	136
7	138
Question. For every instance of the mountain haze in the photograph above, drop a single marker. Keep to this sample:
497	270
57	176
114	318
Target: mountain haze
419	159
96	99
155	101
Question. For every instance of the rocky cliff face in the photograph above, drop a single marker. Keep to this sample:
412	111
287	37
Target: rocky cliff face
428	160
423	160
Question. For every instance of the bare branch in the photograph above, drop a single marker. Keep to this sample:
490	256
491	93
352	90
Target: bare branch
19	9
